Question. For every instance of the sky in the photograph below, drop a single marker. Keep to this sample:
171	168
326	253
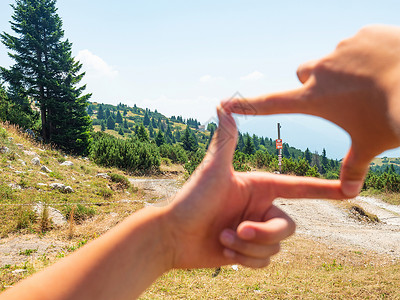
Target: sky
183	57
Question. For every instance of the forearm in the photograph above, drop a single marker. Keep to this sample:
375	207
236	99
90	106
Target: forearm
119	265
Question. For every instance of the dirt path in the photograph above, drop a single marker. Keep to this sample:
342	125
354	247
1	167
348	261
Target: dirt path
332	223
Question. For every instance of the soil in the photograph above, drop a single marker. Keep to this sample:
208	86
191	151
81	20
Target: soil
326	221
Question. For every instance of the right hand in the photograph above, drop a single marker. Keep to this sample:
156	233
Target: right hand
356	87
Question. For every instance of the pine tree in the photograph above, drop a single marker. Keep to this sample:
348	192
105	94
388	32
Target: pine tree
142	133
121	131
146	119
126	126
125	111
90	110
307	156
240	143
110	123
103	125
159	139
248	145
153	122
151	131
189	141
46	72
107	113
118	118
100	113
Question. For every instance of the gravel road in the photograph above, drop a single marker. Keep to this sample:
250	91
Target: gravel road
332	223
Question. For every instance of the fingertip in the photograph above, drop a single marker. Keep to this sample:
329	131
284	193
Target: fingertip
351	188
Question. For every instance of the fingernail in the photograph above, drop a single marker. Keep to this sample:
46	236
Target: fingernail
247	233
227	238
229	253
351	188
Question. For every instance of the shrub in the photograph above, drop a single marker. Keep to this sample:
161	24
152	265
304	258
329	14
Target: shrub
131	155
175	153
80	212
120	179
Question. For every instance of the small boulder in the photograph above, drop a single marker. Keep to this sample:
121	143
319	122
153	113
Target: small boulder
67	163
45	169
30	153
35	161
4	150
103	175
20	146
62	187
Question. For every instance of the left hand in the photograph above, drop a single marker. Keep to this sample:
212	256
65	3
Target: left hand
225	217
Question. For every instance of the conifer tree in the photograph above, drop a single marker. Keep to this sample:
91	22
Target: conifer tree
103	125
46	72
151	131
110	123
160	139
118	119
142	133
153	122
90	110
100	113
146	119
126	126
189	141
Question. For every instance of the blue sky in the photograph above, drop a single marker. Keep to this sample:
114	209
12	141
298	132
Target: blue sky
183	57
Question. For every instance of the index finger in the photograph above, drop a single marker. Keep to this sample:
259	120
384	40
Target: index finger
293	101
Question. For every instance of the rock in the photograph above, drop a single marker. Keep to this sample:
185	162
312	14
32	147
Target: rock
4	150
44	174
62	187
67	163
58	186
41	184
15	186
45	169
103	175
68	189
19	271
30	153
22	162
35	161
55	215
20	146
10	139
20	172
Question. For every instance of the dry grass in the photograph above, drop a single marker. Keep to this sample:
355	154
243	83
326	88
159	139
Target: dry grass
303	270
391	198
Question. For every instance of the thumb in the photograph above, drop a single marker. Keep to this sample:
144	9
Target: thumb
354	168
223	144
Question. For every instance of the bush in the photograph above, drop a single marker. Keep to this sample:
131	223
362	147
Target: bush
121	180
240	162
80	212
131	155
194	160
175	153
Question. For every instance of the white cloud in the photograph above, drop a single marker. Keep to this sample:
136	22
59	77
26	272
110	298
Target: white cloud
256	75
209	78
94	65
